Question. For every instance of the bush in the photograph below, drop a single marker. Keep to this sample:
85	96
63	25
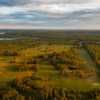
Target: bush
9	53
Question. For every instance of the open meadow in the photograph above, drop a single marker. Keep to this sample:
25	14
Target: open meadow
50	66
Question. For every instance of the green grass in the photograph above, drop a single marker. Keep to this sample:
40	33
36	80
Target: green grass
70	84
87	58
56	80
47	71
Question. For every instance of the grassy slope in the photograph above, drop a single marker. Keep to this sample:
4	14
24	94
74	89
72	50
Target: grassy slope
56	80
48	71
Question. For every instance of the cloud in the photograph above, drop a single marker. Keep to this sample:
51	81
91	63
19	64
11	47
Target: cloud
50	12
14	2
51	8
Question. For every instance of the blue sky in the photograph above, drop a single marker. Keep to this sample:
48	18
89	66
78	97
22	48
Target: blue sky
50	14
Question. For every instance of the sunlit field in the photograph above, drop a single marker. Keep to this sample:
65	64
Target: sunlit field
50	68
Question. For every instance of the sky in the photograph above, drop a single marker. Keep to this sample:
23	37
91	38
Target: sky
49	14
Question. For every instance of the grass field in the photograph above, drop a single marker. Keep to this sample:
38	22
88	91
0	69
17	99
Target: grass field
32	65
9	72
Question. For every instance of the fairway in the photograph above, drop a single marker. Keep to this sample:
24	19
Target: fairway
30	67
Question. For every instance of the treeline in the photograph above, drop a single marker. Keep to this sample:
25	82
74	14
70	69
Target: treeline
27	89
55	94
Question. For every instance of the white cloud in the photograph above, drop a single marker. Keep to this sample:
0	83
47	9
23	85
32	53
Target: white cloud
52	9
10	10
66	8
